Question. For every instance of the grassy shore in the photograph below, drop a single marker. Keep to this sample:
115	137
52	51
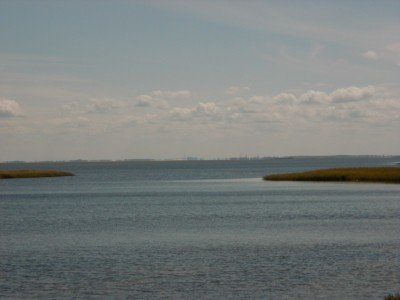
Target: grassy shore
381	174
7	174
392	297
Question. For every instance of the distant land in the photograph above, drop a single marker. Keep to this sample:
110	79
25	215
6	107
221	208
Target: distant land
376	174
194	158
13	174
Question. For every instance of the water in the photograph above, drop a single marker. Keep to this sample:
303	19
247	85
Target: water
198	229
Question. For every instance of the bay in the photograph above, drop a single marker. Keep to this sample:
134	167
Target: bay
198	229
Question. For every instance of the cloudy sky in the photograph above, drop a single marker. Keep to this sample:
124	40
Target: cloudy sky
176	78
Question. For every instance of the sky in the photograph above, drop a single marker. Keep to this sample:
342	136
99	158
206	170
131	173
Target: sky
169	79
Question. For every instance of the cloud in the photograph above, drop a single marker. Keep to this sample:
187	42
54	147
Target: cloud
314	106
180	114
142	120
9	108
314	97
390	53
159	99
206	109
144	101
71	106
236	89
370	55
150	101
101	106
285	98
93	106
256	99
71	123
347	106
202	110
352	94
180	94
243	106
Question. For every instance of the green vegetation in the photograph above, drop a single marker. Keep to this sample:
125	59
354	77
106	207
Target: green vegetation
381	174
6	174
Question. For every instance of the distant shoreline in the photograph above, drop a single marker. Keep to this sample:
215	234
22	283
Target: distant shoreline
14	174
376	174
191	159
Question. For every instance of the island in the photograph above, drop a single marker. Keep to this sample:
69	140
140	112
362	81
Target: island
374	174
9	174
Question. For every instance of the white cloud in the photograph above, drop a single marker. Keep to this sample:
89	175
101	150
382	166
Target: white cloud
352	93
351	104
102	106
159	99
370	55
236	89
257	99
71	107
285	98
206	109
9	108
180	94
93	106
180	114
311	107
348	106
202	110
71	123
390	53
314	97
144	100
150	101
144	119
242	106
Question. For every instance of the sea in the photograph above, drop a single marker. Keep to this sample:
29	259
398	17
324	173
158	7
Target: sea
204	229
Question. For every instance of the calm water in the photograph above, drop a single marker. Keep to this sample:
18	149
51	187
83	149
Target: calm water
198	229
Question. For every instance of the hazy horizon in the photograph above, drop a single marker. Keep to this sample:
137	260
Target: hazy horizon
191	158
102	80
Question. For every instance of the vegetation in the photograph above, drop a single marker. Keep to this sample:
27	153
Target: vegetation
393	297
381	174
6	174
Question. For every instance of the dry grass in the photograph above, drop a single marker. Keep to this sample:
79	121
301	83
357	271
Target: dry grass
7	174
382	174
393	297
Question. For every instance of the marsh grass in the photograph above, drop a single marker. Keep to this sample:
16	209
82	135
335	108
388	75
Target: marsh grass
380	174
8	174
393	297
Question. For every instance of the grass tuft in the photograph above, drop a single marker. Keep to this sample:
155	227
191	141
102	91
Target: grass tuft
8	174
380	174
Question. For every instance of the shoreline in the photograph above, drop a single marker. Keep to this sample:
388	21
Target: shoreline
361	174
15	174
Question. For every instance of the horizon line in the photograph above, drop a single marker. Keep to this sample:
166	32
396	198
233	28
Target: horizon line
194	158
